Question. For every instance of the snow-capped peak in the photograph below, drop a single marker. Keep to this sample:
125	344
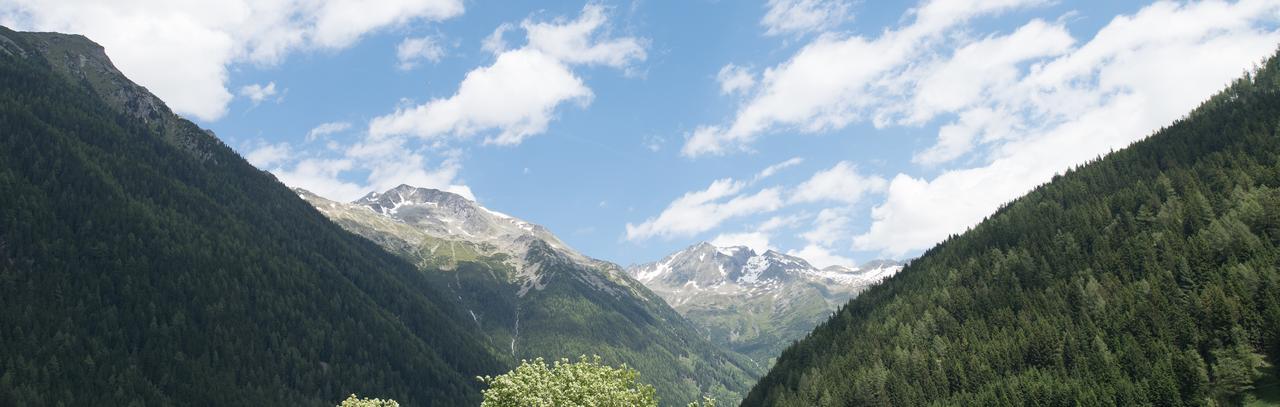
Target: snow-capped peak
452	217
706	265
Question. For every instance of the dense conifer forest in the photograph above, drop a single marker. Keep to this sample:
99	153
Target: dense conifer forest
143	262
1146	277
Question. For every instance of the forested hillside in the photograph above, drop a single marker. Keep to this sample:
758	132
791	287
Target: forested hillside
1147	277
527	289
143	262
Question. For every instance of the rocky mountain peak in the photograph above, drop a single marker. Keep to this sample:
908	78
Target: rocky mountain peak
706	265
391	201
85	62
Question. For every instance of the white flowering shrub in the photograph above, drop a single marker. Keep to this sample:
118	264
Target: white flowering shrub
586	382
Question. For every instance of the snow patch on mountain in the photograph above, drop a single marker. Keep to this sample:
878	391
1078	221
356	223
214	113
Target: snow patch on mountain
423	213
742	269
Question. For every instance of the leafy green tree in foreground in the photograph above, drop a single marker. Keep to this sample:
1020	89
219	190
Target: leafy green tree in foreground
564	383
586	382
353	401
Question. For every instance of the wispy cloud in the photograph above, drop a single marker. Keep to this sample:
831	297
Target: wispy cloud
413	50
325	129
804	16
257	93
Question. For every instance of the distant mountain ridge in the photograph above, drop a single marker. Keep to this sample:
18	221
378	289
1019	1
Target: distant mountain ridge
708	265
525	287
754	303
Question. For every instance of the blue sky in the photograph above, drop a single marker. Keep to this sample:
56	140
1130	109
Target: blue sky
841	131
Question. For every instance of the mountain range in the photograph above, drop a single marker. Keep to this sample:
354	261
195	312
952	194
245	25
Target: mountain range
755	303
537	297
144	262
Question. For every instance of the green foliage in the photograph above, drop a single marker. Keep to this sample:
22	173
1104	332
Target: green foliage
586	382
1148	277
145	265
353	401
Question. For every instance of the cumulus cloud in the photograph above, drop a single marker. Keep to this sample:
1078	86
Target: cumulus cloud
821	257
834	79
735	79
840	183
755	240
181	51
345	171
516	97
258	93
700	211
802	16
1136	74
267	155
321	176
580	41
829	227
413	50
1012	108
727	199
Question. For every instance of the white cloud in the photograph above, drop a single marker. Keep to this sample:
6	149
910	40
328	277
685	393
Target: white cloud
976	68
496	42
840	183
1136	74
411	168
413	50
699	211
802	16
267	155
324	176
734	79
957	138
579	42
1021	105
320	176
829	227
347	171
258	93
821	257
755	240
181	50
325	129
517	95
780	222
773	169
833	80
654	143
